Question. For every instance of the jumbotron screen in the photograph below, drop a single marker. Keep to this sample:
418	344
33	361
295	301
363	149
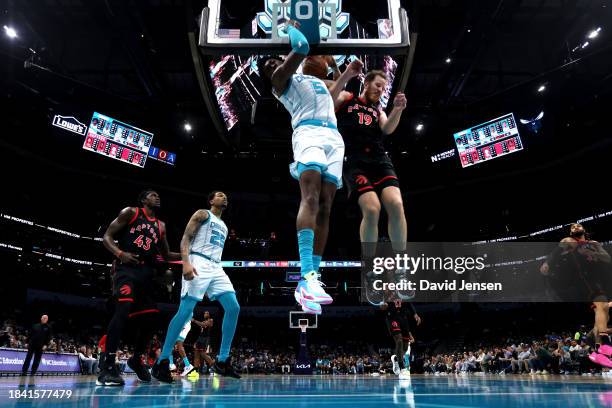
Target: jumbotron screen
118	140
489	140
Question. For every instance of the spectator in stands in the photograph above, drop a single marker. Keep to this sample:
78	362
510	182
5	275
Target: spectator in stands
88	362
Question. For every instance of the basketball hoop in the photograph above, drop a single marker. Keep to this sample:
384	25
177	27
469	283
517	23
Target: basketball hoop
303	324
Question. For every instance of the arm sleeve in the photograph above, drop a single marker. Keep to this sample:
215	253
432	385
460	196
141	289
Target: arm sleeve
299	44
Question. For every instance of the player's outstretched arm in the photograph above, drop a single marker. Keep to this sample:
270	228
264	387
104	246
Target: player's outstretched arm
300	48
336	90
193	226
123	219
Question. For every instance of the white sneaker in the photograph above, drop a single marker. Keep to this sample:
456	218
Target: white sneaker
172	367
310	289
404	374
187	370
396	367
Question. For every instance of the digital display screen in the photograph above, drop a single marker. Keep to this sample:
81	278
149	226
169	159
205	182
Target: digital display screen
237	83
489	140
118	140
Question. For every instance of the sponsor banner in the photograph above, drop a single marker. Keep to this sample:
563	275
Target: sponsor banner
69	123
11	360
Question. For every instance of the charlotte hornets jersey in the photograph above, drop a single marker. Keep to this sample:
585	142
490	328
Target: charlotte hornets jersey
210	238
307	98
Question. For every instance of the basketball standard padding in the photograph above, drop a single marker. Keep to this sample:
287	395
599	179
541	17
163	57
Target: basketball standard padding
306	12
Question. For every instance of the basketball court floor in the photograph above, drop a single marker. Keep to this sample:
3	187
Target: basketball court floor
317	391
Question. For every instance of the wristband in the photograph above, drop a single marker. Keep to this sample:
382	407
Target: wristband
299	43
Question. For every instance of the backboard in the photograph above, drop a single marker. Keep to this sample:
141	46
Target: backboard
349	27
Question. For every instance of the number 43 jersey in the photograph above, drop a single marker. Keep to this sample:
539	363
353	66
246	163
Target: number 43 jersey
306	98
210	239
141	237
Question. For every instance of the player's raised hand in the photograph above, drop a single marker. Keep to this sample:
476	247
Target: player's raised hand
189	271
355	68
400	101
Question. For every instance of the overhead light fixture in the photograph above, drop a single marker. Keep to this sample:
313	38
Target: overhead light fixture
594	33
10	32
586	44
419	127
448	60
187	127
542	88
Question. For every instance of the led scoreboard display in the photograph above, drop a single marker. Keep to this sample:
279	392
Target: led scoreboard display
492	139
118	140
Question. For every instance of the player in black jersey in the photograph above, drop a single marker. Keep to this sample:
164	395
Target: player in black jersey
368	170
398	316
202	344
141	237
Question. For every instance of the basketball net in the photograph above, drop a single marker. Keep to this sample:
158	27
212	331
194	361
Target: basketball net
303	327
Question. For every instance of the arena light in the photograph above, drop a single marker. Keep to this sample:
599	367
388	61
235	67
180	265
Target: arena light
542	88
594	33
187	127
10	32
419	127
586	44
448	60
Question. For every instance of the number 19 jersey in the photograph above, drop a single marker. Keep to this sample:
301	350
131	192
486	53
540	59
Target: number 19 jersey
210	239
306	98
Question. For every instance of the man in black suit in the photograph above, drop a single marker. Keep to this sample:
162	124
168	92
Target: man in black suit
40	336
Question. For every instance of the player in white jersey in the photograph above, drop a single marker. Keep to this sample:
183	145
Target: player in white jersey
318	153
180	345
201	249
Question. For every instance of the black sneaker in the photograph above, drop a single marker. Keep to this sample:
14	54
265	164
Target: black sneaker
373	296
110	377
135	363
161	371
225	369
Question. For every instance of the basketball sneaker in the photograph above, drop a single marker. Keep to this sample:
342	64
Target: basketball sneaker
309	289
605	350
600	359
110	377
161	371
225	369
310	307
188	369
375	297
404	374
135	363
396	367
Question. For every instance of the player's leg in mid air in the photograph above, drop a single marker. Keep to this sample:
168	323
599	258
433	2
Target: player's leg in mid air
603	348
326	198
309	293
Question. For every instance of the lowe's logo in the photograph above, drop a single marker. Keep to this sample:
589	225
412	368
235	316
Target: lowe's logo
69	123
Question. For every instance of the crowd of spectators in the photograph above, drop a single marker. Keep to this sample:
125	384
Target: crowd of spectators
549	354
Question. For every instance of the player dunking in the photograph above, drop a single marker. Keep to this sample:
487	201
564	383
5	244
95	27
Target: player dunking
201	249
398	316
369	173
141	237
318	152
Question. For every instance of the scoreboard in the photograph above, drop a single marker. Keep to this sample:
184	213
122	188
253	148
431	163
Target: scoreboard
489	140
118	140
